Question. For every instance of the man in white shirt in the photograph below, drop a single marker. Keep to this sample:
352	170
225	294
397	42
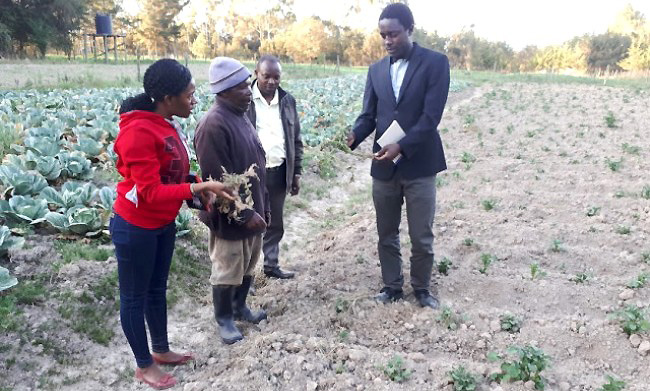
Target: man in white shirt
274	115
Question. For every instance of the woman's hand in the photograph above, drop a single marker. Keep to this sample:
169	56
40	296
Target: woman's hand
215	187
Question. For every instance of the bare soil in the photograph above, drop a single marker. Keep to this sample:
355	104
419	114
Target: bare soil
539	155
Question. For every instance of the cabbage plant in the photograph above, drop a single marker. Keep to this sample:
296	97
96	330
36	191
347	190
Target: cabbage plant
78	220
75	165
182	221
19	182
71	194
7	241
43	146
6	279
89	147
24	209
107	196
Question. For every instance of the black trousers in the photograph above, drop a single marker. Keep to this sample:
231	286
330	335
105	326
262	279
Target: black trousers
276	184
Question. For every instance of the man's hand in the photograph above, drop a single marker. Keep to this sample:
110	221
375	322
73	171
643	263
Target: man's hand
295	185
389	152
256	223
351	138
207	199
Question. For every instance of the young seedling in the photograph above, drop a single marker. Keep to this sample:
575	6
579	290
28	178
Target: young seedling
468	242
341	305
486	261
631	149
612	384
639	281
623	230
557	246
396	371
593	211
462	379
645	257
536	271
632	320
614	165
489	204
468	159
528	366
510	323
581	278
468	120
610	120
450	319
444	265
645	192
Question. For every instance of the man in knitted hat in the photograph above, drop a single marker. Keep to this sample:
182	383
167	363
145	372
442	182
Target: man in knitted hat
226	140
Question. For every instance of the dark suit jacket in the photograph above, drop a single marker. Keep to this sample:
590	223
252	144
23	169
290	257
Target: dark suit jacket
418	110
291	127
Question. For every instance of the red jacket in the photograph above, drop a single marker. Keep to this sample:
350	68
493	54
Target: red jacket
154	163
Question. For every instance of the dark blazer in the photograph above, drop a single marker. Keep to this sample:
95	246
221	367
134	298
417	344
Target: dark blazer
291	127
418	110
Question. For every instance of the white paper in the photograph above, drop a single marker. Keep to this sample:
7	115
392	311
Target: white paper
392	135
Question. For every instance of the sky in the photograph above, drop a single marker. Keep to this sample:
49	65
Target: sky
517	22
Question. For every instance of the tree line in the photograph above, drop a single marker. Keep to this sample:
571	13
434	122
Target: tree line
208	28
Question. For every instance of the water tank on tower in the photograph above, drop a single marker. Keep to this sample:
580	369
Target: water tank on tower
103	24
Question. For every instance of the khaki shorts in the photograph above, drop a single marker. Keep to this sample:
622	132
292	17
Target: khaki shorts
233	259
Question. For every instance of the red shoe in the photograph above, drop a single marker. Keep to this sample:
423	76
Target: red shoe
183	360
165	382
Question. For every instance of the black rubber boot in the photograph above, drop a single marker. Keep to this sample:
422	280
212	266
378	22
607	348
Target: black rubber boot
222	298
241	310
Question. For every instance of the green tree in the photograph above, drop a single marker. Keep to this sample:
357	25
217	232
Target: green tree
638	55
607	50
40	23
158	30
628	22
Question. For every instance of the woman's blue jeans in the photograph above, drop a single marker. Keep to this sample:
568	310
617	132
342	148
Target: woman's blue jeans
144	257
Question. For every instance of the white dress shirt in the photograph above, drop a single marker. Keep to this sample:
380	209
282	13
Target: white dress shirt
269	127
397	72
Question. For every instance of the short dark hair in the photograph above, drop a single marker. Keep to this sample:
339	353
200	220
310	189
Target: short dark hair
164	77
400	12
267	57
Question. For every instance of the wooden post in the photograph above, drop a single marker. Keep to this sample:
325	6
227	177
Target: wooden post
126	53
186	59
105	50
137	54
95	47
115	47
85	47
338	63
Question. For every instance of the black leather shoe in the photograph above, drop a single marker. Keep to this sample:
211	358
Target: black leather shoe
276	272
388	295
425	299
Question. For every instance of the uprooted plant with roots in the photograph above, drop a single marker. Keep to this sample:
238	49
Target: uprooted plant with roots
240	184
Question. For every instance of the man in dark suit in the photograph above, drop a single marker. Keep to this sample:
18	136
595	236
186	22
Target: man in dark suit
275	117
409	86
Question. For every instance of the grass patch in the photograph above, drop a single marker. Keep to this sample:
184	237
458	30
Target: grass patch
187	276
92	311
71	251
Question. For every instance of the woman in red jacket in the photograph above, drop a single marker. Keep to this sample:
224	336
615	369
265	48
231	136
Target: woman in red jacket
153	159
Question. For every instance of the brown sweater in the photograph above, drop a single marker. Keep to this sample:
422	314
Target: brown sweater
225	138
